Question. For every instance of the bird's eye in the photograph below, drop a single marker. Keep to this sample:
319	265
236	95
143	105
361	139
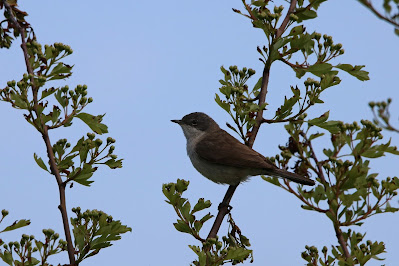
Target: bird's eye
194	122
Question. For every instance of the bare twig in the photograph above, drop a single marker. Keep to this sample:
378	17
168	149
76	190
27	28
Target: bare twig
44	131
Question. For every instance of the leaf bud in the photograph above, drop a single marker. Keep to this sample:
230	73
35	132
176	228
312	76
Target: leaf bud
98	142
293	17
83	100
91	135
251	72
111	149
110	140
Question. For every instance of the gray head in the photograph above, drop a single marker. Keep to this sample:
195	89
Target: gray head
195	124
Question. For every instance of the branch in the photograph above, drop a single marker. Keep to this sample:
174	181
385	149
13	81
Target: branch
283	25
378	14
44	131
341	240
320	172
224	208
61	189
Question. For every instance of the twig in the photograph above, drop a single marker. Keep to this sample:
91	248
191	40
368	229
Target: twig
378	14
320	172
224	209
284	24
44	132
341	240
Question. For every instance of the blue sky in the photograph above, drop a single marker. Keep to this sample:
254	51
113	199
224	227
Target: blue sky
148	62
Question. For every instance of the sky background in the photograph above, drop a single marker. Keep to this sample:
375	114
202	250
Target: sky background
146	63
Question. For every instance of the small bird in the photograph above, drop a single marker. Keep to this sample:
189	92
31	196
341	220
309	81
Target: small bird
222	158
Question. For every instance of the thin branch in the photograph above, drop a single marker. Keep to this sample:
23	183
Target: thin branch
284	24
378	14
299	196
320	172
61	189
341	240
224	208
44	131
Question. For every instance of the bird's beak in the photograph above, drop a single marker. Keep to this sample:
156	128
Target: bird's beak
176	121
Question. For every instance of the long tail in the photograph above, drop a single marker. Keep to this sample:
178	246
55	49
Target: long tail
291	176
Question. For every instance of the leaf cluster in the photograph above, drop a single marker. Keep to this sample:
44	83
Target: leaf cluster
233	247
363	251
94	230
238	101
90	152
27	251
382	115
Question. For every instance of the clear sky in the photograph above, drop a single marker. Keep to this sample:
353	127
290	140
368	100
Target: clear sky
146	62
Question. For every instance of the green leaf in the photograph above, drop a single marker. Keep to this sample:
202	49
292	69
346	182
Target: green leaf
113	164
40	162
222	104
47	92
354	71
94	122
16	225
319	120
238	253
314	136
320	69
60	71
82	177
18	101
60	98
332	126
206	217
329	80
201	204
304	14
7	257
182	227
286	109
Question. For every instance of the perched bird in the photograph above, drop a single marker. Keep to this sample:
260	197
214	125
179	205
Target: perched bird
223	159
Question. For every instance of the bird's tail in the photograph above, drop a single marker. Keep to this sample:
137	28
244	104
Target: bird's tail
291	176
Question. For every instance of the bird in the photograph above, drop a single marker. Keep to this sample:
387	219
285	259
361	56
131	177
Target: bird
223	159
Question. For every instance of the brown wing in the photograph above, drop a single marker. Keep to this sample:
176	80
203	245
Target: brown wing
229	151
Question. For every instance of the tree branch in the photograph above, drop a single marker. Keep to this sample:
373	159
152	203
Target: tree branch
224	209
378	14
341	240
224	206
284	24
44	131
